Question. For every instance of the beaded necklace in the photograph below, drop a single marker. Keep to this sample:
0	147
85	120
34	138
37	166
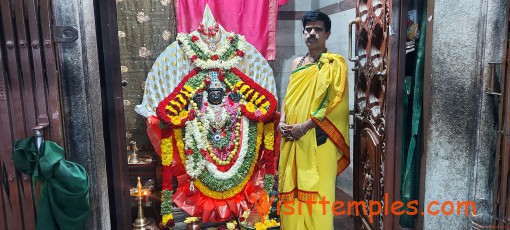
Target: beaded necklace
314	60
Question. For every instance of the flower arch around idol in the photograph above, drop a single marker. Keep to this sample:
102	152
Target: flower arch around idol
226	165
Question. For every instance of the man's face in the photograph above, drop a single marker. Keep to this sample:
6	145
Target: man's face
315	34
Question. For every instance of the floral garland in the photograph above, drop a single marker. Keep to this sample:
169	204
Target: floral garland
167	151
217	174
260	104
223	185
235	190
170	109
178	111
203	58
268	182
269	136
257	103
215	181
197	133
166	208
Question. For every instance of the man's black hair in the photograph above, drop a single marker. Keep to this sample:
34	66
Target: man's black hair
314	16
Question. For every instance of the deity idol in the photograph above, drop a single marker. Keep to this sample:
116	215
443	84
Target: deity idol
215	128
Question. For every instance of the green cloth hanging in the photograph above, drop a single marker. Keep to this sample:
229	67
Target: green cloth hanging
64	198
409	186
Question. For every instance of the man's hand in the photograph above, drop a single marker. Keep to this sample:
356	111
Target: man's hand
293	132
281	127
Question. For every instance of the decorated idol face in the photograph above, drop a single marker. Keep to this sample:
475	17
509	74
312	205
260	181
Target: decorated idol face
215	95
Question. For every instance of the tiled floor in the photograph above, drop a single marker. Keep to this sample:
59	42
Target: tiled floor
343	222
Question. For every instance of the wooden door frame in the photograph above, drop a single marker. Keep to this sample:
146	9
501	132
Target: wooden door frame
395	108
500	189
113	113
426	106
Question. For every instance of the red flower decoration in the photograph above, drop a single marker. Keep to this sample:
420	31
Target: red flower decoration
193	58
214	57
240	53
194	38
170	224
207	80
221	77
166	174
192	114
161	112
257	88
231	39
189	151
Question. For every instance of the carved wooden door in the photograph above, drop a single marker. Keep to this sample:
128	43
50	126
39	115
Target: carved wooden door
376	151
501	216
29	99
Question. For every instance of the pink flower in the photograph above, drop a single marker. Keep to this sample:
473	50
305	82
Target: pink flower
258	113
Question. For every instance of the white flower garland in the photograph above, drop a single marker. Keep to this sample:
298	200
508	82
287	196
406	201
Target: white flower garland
194	135
194	170
216	118
219	51
210	64
213	169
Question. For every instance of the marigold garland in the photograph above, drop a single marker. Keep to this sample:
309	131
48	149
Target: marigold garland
168	109
178	139
167	151
166	218
269	136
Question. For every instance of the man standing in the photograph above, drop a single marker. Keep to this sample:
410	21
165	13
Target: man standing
315	130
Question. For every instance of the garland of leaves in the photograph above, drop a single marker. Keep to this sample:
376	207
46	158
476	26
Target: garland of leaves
268	183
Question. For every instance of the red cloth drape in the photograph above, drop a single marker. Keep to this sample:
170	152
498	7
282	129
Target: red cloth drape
255	19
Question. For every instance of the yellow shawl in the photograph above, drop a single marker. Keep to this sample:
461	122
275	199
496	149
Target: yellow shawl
315	91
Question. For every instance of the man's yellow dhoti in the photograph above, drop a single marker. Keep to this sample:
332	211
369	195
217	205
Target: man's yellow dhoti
307	171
